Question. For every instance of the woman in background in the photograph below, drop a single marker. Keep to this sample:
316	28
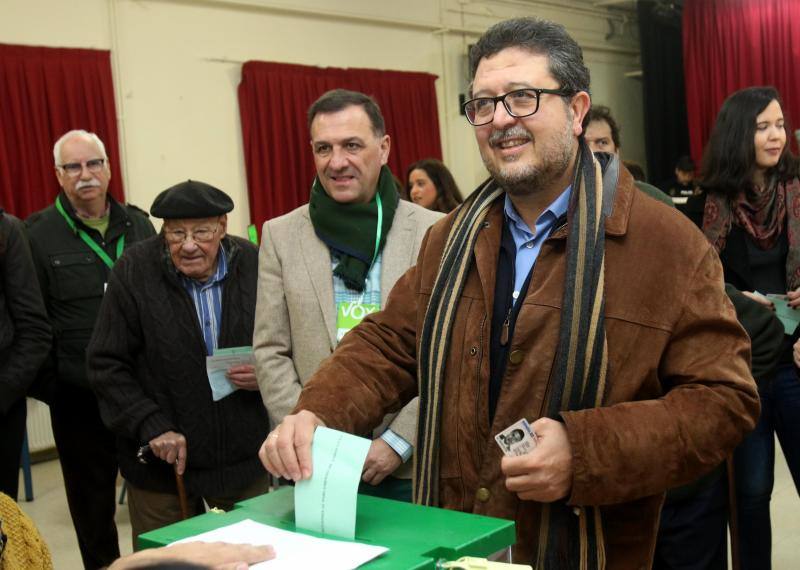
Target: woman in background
751	217
430	184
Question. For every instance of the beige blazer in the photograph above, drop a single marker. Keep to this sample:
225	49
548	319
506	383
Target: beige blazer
295	328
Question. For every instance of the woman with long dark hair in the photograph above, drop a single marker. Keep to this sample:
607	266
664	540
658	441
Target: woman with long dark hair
430	184
752	216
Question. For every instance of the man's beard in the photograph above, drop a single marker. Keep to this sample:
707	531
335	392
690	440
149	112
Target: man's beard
555	159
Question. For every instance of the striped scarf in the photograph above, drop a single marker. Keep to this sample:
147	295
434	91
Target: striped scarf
579	377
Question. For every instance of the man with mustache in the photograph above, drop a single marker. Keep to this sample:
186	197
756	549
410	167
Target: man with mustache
173	301
327	264
556	293
74	243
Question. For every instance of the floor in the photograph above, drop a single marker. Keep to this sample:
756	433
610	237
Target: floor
49	512
785	518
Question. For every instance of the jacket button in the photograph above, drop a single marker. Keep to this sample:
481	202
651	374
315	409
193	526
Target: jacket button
483	494
516	356
473	351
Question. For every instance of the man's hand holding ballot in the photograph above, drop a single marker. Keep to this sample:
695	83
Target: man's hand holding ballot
287	450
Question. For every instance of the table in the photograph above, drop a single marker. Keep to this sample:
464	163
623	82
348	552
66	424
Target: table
416	536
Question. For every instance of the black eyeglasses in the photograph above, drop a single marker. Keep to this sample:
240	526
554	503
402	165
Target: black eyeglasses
74	169
519	103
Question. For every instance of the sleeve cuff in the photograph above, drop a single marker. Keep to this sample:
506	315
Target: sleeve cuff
400	445
153	426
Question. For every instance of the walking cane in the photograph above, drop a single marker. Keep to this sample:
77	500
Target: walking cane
142	455
181	494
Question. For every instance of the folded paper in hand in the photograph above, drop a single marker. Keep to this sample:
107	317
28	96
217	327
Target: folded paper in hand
218	364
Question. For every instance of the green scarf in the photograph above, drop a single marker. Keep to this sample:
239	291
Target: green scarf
578	381
351	229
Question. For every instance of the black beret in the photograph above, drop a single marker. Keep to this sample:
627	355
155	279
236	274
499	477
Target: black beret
191	199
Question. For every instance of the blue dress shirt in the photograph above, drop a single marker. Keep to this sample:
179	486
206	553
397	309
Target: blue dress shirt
207	298
529	243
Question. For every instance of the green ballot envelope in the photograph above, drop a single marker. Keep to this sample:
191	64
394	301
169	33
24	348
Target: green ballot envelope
326	503
416	536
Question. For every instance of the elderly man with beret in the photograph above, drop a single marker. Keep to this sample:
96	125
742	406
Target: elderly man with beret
172	301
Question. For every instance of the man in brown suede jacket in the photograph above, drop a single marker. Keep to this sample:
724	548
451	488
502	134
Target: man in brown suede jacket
559	294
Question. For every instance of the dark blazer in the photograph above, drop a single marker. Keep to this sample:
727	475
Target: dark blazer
736	260
24	330
72	280
765	331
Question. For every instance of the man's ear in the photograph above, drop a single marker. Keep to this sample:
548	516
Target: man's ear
579	105
385	147
223	225
60	176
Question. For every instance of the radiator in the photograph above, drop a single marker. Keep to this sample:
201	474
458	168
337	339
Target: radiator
40	432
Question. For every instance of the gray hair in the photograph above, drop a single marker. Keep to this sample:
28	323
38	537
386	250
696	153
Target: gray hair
564	55
77	133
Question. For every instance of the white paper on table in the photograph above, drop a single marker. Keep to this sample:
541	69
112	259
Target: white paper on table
292	550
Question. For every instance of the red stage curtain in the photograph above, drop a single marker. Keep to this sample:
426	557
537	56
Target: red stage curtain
732	44
273	100
45	92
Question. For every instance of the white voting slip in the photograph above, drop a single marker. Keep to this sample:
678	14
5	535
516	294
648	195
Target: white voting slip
292	550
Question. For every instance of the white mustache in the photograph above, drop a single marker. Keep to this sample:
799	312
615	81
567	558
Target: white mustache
93	183
515	132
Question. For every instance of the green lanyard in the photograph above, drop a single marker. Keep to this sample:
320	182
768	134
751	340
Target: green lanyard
380	225
88	239
377	237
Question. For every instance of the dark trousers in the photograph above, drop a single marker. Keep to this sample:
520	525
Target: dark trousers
693	531
390	488
88	456
12	433
150	510
754	462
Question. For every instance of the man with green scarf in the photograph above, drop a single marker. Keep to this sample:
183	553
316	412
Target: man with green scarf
327	264
557	293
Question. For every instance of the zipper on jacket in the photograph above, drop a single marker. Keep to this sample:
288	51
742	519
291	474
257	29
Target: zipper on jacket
480	359
505	332
477	414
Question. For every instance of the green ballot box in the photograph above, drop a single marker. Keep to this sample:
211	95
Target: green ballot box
416	536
